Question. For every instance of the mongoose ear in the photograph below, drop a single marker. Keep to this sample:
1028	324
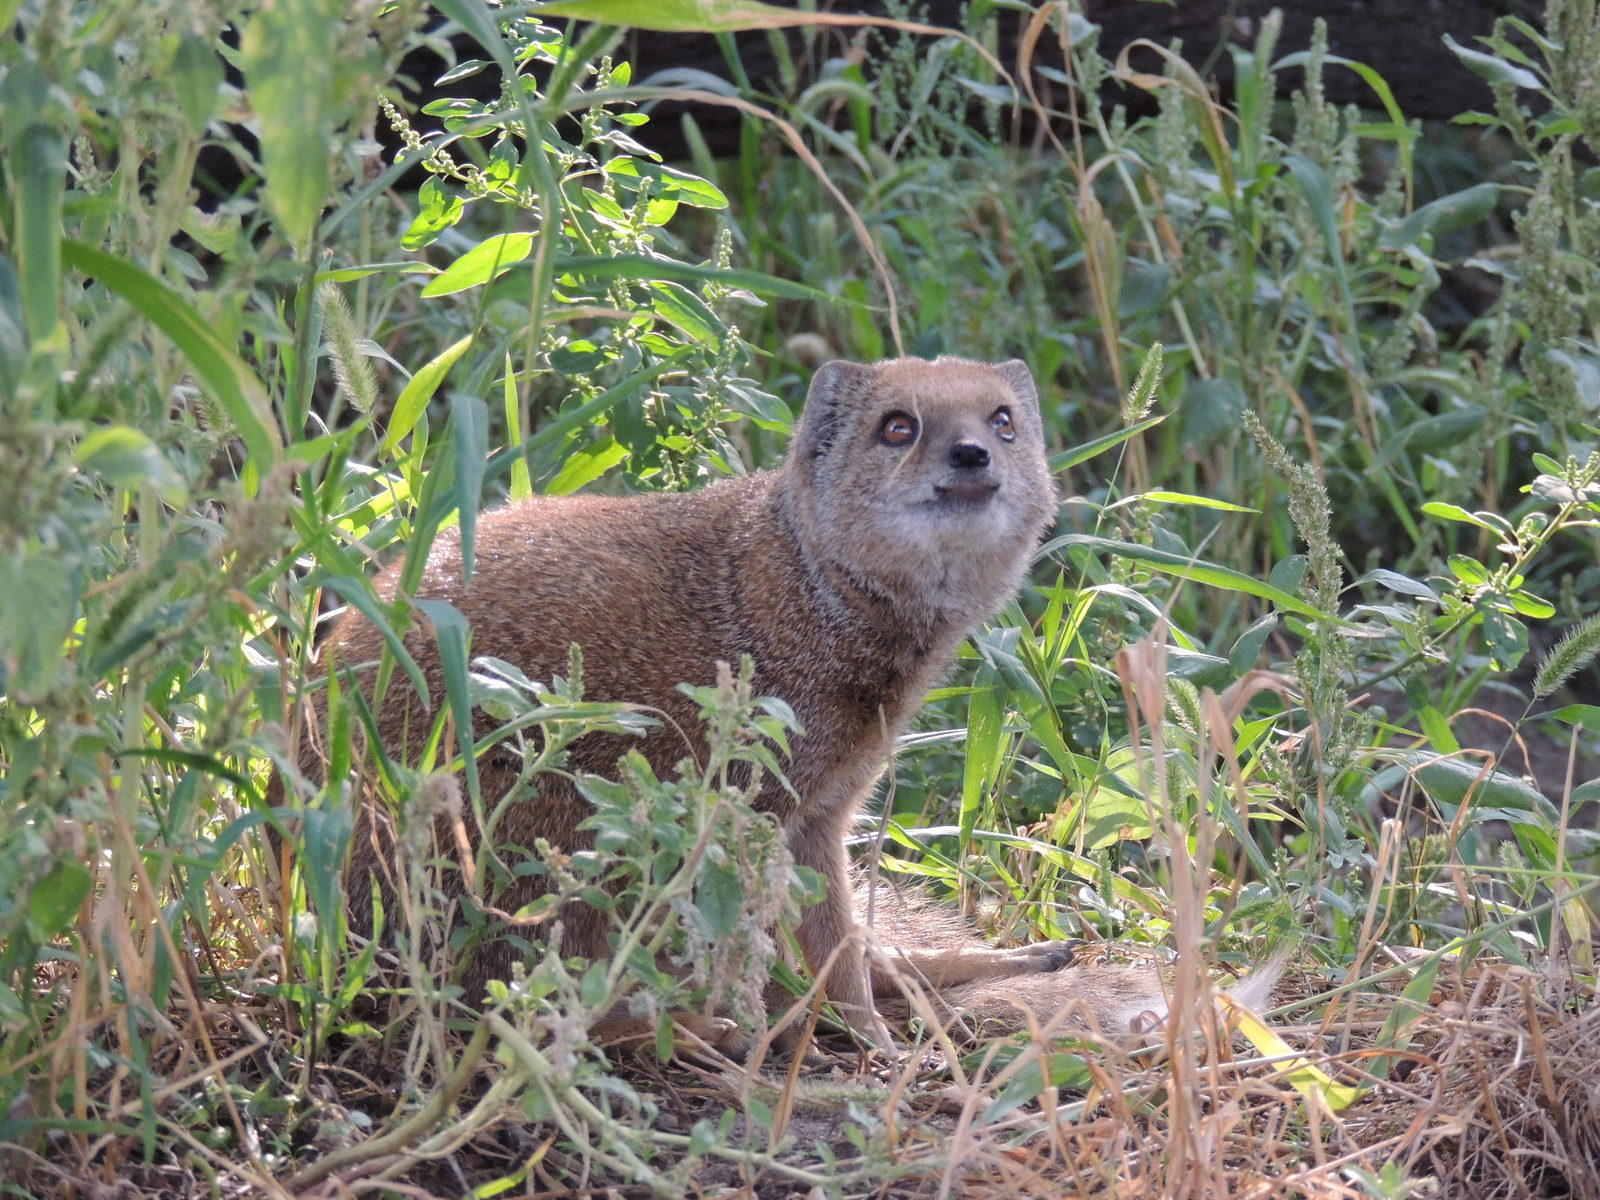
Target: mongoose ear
832	388
1020	380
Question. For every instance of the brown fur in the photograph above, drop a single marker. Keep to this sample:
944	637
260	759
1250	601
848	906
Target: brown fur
849	575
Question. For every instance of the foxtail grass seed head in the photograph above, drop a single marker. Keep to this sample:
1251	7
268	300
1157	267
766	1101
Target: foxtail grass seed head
1571	655
351	366
1141	397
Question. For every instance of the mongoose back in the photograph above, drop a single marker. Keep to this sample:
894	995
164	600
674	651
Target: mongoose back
906	511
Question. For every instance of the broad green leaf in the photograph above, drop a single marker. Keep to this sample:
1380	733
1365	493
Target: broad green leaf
38	172
1453	512
1403	584
485	261
217	366
681	308
586	466
1114	809
671	183
126	458
1437	727
437	210
1078	454
1460	210
1247	649
38	604
1032	1077
413	401
196	75
718	897
1533	606
1495	70
1586	715
1191	568
1448	780
56	898
290	74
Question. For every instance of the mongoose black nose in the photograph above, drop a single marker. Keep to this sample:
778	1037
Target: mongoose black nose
968	454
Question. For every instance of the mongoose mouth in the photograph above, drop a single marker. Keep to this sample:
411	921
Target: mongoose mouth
976	492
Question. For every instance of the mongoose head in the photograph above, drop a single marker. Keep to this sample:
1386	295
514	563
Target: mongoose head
927	479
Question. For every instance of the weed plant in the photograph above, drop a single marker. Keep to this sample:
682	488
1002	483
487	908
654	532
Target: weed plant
1304	528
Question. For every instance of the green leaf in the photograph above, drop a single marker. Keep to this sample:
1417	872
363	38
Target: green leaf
56	898
1160	497
1403	584
196	75
469	418
521	483
126	458
1586	715
1507	636
643	266
437	210
1314	185
1438	730
676	16
355	593
1032	1077
1248	648
350	274
1533	606
413	401
1495	70
719	898
586	466
38	604
1460	210
1078	454
487	260
671	183
984	711
217	366
290	73
681	308
1452	512
1448	781
451	631
1191	568
38	170
1413	1003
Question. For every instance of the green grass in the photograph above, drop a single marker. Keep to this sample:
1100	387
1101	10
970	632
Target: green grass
1350	513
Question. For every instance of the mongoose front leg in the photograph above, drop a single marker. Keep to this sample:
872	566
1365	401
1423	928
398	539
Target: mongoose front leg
969	964
828	930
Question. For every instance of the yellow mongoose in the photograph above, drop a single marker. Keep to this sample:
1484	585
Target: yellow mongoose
906	511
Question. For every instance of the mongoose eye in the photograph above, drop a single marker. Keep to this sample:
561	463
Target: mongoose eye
1002	424
898	430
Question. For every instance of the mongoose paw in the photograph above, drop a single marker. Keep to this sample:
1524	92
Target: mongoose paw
1049	957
